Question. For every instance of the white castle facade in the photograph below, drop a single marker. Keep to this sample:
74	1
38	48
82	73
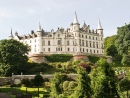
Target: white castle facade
73	40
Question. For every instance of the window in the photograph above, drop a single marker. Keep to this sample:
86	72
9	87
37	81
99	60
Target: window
43	49
59	42
94	51
82	36
82	42
61	48
48	42
89	43
43	43
86	50
86	43
90	51
93	44
97	51
58	35
48	49
97	44
93	37
86	36
83	49
96	38
68	49
67	42
101	38
89	37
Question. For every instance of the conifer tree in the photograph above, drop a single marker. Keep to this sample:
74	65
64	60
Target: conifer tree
104	81
83	89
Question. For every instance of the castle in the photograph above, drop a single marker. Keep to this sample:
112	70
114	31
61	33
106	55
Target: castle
73	40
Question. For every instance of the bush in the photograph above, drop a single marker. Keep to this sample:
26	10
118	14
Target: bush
72	85
65	85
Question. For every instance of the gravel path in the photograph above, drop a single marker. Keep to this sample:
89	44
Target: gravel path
4	95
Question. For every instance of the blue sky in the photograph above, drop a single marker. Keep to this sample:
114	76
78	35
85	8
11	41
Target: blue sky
24	15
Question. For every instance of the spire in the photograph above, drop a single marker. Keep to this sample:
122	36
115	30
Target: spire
39	29
75	19
11	35
99	25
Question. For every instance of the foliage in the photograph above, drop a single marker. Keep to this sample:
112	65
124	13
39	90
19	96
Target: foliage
93	59
83	89
26	82
38	81
72	85
124	85
104	81
86	66
58	57
109	46
122	41
4	69
57	84
13	53
65	85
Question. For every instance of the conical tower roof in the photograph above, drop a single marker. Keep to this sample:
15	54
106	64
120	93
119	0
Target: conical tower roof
39	28
99	25
75	19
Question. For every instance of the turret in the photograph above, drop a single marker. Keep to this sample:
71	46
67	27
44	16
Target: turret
99	28
39	31
76	24
11	35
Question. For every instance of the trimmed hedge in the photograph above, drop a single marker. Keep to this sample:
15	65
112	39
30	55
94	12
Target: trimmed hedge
59	57
93	59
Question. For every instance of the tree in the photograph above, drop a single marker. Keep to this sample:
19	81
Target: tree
27	83
109	46
83	90
55	85
122	41
124	85
13	53
86	66
104	81
38	81
4	69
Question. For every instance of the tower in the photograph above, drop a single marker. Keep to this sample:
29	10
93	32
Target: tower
39	31
11	35
39	37
100	32
76	24
99	28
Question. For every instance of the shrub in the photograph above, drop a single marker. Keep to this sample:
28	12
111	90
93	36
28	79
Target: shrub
72	85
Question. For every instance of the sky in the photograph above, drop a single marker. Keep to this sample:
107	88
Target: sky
24	15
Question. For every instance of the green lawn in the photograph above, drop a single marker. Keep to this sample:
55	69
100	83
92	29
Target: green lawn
22	90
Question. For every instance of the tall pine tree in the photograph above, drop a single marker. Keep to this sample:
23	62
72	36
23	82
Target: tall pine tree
104	81
83	89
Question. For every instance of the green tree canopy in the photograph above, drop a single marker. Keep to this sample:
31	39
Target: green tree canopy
83	90
13	53
104	81
122	41
109	46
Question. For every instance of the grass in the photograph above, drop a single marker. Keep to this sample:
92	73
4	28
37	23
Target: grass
22	90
